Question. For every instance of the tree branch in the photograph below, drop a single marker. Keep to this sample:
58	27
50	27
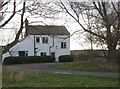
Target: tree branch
101	36
4	4
10	16
114	8
99	10
7	47
75	12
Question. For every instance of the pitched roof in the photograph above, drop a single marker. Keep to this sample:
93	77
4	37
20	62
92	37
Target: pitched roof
46	30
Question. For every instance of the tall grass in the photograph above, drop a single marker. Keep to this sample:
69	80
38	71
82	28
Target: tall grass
38	79
97	66
9	76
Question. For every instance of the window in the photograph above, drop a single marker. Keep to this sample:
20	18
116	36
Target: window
52	54
37	39
26	53
43	53
63	44
44	39
23	53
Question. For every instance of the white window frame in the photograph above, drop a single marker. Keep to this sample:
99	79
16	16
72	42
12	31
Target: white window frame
37	38
63	45
43	53
45	40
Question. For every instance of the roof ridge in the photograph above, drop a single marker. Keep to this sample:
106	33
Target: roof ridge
48	25
44	30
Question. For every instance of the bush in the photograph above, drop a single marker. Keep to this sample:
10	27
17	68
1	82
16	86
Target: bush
28	59
66	58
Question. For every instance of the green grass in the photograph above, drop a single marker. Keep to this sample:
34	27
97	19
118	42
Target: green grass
95	66
38	79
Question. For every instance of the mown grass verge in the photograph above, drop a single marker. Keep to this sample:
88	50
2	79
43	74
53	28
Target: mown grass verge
95	66
38	79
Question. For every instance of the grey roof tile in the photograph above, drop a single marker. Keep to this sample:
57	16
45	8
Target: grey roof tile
47	30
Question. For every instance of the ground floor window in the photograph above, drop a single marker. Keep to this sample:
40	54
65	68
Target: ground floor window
43	53
23	53
26	53
53	54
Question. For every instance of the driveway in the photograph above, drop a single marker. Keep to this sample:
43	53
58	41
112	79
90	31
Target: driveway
49	67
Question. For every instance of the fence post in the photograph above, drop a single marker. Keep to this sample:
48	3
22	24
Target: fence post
0	67
0	54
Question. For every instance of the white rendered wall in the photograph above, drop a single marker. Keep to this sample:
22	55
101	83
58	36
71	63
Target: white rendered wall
57	45
28	45
24	45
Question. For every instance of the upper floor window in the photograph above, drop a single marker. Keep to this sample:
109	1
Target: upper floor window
37	39
63	45
44	39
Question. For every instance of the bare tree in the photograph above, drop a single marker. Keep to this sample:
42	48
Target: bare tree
8	46
3	4
105	21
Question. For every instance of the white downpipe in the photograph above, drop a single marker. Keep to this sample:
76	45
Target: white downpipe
56	59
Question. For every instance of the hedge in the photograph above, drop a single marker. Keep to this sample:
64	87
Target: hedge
65	58
28	59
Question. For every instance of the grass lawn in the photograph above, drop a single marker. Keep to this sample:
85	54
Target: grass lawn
38	79
95	66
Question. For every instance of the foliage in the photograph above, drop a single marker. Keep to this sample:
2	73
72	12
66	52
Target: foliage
39	79
65	58
97	66
28	59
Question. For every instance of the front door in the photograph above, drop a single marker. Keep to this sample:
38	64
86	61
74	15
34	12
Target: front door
53	54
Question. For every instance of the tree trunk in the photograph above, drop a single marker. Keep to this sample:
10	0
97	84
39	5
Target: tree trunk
112	53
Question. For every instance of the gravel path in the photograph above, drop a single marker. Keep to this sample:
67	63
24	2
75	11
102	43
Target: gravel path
49	67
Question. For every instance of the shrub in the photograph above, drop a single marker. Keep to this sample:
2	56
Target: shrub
28	59
65	58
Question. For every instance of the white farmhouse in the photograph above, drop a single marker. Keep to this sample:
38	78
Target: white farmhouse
42	40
